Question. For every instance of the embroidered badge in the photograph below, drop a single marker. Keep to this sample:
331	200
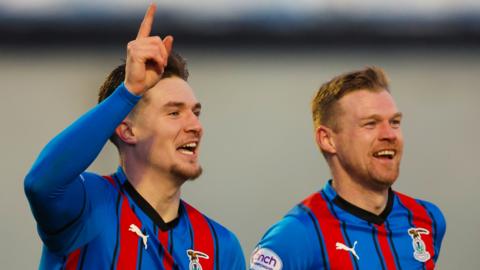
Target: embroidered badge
341	246
420	251
193	256
136	230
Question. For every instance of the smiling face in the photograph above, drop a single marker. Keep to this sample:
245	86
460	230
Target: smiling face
167	129
368	142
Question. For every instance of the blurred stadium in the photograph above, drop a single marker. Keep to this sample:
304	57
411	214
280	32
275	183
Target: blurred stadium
229	23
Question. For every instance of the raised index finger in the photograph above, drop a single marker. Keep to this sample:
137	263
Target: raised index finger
146	26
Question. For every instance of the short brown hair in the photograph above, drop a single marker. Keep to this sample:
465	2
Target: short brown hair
176	67
324	107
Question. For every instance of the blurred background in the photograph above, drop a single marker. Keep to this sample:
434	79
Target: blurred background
254	65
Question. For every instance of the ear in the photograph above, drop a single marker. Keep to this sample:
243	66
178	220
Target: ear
125	132
324	138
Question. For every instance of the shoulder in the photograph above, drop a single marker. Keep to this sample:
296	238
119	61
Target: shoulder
436	215
228	249
425	208
99	186
97	210
418	206
218	231
109	182
222	233
287	244
296	223
432	208
95	177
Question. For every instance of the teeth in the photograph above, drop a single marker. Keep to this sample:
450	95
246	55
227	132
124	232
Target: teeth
385	153
190	145
188	148
184	151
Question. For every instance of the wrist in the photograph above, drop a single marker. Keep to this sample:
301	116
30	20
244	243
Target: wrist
134	89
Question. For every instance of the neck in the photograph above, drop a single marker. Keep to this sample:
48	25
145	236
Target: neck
159	189
361	195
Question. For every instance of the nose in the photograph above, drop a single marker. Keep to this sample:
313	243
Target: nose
194	125
387	132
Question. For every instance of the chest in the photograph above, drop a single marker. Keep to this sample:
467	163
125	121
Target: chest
395	244
134	241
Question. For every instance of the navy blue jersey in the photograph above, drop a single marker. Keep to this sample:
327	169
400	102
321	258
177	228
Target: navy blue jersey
326	232
87	221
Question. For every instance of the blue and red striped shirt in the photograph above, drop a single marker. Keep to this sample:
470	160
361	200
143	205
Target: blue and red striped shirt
87	221
135	236
326	232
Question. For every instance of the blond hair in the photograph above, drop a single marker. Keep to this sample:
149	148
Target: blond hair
324	103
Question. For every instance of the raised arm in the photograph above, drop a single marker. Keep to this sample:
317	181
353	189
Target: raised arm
55	184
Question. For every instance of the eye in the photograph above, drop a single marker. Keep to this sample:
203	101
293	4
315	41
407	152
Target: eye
395	123
197	113
174	113
370	124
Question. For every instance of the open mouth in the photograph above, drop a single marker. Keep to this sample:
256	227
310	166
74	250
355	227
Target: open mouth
188	148
385	154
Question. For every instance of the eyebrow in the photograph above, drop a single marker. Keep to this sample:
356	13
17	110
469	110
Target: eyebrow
182	104
376	116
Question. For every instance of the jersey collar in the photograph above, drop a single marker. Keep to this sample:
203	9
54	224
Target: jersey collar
357	211
145	206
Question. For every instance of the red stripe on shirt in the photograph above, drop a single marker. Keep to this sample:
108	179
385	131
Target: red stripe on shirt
128	253
421	219
202	236
331	232
385	247
110	179
72	260
167	257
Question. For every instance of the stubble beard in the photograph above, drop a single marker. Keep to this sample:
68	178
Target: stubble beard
384	178
373	176
184	174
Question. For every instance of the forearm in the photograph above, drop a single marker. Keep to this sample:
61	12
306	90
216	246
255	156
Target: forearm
59	165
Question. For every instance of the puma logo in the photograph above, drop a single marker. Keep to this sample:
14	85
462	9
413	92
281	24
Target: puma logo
135	229
341	246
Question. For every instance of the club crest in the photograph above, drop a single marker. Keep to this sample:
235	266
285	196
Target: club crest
194	256
420	251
